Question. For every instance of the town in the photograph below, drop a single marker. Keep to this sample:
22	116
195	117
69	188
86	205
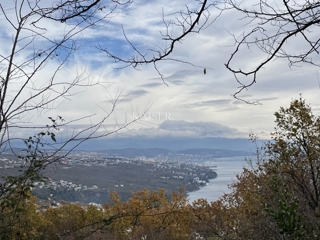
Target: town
91	176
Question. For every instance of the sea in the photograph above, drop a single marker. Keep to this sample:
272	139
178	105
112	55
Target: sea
226	168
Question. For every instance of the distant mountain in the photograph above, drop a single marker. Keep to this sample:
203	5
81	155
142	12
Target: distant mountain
172	144
152	152
162	145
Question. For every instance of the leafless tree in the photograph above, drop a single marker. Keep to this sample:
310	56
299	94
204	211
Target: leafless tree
32	48
270	27
274	27
25	89
184	22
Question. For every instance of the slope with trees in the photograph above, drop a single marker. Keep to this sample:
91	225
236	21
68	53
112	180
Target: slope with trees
278	198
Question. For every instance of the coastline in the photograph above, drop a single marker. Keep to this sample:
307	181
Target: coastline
226	169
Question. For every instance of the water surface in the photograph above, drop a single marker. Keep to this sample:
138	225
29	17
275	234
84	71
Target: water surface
227	168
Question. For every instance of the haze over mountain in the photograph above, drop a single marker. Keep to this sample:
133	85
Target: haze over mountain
173	144
171	134
176	135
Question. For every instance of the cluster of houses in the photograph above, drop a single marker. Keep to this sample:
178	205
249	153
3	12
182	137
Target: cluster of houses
61	184
6	163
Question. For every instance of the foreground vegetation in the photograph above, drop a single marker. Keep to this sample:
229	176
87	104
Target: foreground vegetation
277	197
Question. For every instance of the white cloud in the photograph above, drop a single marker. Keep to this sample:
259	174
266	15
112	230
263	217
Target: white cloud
198	104
180	128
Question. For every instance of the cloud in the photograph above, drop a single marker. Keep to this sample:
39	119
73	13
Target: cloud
176	82
218	105
152	84
181	77
202	129
218	102
173	128
190	95
137	93
181	74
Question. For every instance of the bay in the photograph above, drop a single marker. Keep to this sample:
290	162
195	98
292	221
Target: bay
226	168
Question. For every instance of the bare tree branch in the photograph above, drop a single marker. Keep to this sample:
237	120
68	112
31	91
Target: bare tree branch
188	21
274	24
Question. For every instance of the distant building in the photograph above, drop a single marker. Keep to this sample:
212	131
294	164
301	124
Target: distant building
195	180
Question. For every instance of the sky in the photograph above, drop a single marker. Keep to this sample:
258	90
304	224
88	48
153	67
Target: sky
187	103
